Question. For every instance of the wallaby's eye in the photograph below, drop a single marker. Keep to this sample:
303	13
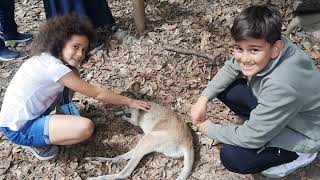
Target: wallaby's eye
128	115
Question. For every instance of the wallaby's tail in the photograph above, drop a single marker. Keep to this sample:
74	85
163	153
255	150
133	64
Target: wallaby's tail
187	163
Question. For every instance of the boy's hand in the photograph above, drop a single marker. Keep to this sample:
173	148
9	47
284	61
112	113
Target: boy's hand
137	104
199	110
203	127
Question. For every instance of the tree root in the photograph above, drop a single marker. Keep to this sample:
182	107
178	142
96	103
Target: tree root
191	52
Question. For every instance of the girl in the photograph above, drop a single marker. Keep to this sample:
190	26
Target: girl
25	118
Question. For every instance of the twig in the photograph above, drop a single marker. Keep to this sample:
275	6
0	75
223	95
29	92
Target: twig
190	52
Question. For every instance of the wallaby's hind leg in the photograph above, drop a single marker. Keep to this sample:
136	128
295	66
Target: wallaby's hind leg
145	146
125	156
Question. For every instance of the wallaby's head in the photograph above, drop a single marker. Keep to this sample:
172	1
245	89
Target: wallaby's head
132	116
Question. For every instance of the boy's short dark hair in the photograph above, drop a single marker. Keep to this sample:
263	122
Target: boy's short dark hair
259	22
54	34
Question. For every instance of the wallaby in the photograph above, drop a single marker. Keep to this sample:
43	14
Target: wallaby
165	133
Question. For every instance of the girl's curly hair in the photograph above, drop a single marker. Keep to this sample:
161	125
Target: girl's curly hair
54	34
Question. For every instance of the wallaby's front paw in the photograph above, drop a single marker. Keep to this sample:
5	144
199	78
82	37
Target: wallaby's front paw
95	178
114	160
216	142
107	177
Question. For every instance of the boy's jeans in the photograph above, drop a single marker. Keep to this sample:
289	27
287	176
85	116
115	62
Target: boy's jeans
240	99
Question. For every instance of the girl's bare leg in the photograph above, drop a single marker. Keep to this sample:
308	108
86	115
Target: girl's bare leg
66	129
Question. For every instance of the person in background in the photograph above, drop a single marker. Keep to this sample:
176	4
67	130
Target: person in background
274	86
8	31
97	11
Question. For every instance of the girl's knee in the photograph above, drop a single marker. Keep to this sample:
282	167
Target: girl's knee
86	128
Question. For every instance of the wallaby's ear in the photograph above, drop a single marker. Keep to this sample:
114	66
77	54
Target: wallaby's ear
132	91
135	87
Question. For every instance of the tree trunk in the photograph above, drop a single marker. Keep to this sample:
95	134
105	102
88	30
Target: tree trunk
139	15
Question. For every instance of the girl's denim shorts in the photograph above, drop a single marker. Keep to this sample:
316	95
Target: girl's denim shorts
36	132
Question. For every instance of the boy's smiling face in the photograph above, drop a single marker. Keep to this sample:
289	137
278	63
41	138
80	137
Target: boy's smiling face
253	55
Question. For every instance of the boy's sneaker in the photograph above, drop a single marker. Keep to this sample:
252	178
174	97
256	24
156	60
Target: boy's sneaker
43	152
285	169
8	55
20	37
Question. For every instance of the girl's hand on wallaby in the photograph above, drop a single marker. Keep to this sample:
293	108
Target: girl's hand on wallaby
137	104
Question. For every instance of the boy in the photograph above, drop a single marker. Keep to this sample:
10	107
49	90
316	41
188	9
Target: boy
279	99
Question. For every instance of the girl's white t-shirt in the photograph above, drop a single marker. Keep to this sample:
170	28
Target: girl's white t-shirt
32	90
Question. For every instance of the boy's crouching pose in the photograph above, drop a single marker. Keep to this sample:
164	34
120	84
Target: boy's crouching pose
278	98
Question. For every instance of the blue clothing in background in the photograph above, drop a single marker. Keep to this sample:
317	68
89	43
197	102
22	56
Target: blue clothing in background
97	11
2	45
8	26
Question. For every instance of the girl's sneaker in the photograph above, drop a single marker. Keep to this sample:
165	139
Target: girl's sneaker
43	153
285	169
